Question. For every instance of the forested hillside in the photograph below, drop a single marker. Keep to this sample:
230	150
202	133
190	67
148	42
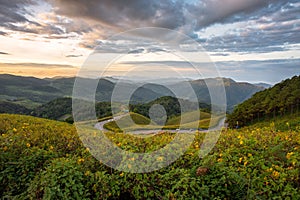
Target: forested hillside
282	99
61	109
171	105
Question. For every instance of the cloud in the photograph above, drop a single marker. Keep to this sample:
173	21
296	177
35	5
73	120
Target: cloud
136	51
270	29
265	25
219	54
38	70
3	33
73	56
4	53
125	13
208	12
270	71
36	65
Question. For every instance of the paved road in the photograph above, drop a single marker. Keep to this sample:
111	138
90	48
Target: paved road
100	127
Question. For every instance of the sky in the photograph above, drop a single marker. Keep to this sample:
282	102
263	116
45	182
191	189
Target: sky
247	40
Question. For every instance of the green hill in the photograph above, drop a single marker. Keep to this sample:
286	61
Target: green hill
55	109
279	100
171	106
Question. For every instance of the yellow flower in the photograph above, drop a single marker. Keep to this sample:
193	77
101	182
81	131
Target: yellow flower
275	174
122	174
249	154
51	147
288	155
271	169
241	142
14	130
131	159
80	160
87	173
220	160
160	158
245	163
5	148
240	160
28	145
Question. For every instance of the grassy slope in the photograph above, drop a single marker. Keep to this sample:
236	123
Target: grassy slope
188	117
42	158
126	122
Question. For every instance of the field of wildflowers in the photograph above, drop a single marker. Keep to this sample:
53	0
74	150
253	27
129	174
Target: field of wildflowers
44	159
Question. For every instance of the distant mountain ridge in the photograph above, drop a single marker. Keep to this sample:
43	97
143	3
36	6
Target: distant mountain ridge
31	91
263	85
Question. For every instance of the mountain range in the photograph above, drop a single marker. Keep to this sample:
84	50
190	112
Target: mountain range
31	92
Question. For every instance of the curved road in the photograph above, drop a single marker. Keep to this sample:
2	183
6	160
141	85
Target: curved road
100	126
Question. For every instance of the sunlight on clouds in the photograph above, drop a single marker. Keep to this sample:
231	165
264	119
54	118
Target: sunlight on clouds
41	71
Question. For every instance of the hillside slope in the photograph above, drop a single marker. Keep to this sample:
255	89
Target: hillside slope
281	99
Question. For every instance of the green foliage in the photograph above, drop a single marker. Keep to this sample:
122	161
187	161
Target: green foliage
44	159
61	109
54	109
63	178
12	108
280	100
